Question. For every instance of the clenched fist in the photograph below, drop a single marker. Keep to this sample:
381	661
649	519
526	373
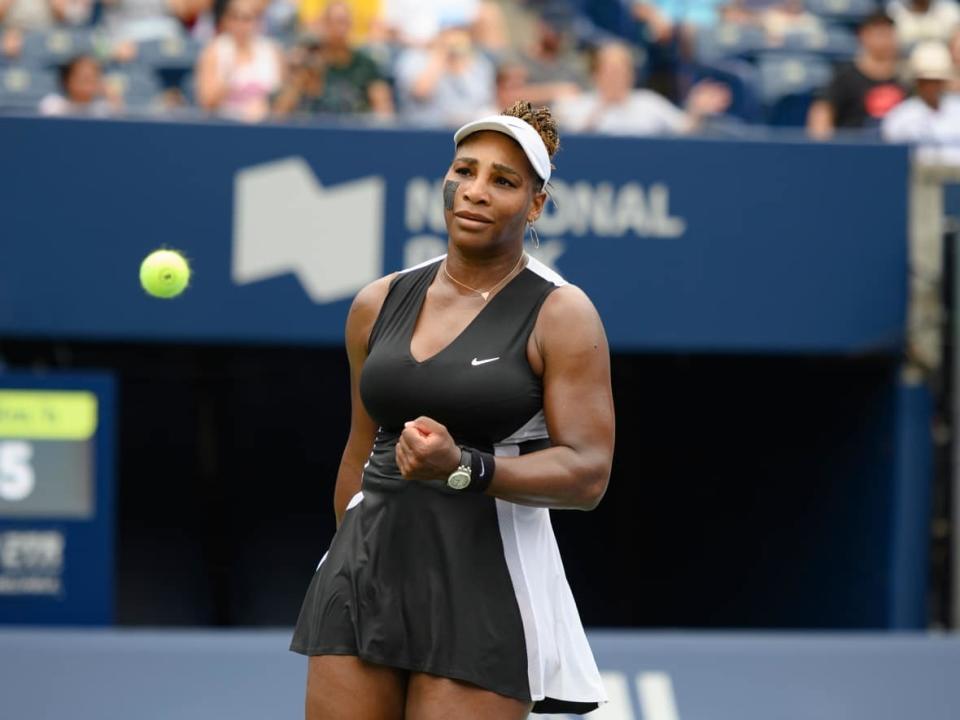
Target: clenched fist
425	451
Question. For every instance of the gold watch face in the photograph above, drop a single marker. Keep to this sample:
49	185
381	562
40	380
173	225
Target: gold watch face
458	479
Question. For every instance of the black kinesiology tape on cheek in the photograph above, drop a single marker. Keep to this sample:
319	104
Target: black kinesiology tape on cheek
449	193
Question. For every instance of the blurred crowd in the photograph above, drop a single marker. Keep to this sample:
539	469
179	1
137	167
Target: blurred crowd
651	67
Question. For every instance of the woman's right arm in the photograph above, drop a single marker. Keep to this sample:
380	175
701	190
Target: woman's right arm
363	313
211	85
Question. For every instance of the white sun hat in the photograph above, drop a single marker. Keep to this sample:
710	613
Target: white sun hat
930	60
521	131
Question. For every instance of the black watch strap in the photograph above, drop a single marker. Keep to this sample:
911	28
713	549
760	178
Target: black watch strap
462	477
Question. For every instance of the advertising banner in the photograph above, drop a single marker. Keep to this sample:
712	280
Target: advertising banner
683	245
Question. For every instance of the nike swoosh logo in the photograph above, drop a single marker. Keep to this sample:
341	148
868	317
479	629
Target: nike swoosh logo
482	469
476	362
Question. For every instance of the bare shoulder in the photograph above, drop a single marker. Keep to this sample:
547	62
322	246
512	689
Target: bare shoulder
371	297
568	306
569	319
365	308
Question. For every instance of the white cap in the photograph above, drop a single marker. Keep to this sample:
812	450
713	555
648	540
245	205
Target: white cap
930	60
521	131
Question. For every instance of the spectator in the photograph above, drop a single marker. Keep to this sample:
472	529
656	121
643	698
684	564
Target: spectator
278	17
788	17
553	69
861	92
616	108
447	83
333	77
664	17
367	24
670	30
195	17
512	85
418	22
11	42
512	82
83	91
130	22
239	70
931	118
17	16
918	20
42	14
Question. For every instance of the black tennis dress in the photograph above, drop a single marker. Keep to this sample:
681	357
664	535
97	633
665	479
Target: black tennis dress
433	580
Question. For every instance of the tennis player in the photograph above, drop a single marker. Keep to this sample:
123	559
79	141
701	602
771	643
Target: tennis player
481	399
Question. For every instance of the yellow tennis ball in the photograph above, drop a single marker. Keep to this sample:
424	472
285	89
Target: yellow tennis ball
164	273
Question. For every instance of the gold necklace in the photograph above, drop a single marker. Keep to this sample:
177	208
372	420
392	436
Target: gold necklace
484	293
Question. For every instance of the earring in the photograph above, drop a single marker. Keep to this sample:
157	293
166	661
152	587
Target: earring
534	235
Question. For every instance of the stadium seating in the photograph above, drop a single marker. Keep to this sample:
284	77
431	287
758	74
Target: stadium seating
788	83
834	42
21	88
848	12
169	53
139	86
730	41
55	47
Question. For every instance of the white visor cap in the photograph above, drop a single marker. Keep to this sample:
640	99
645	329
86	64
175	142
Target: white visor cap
521	131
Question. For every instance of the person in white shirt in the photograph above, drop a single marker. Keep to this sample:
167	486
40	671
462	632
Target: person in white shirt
615	107
931	118
919	20
445	84
83	91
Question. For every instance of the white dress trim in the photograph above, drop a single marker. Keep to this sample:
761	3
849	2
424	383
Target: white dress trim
560	664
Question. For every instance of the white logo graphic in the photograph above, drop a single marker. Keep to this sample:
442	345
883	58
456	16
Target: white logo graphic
285	221
476	362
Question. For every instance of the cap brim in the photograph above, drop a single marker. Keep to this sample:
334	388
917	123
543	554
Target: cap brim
505	128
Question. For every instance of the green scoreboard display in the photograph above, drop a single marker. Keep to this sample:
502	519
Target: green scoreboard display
56	499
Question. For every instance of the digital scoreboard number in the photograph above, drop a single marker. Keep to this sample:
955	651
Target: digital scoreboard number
56	499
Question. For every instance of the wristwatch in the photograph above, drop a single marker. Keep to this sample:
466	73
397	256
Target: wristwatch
460	478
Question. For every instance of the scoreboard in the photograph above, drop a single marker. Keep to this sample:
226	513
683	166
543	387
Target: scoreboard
56	499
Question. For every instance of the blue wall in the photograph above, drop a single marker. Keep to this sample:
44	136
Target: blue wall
252	676
683	245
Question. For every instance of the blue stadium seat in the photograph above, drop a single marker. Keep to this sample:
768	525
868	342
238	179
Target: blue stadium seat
783	74
139	86
729	41
188	86
788	84
836	43
22	88
848	12
55	47
169	53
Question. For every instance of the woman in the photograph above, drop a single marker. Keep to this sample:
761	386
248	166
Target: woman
238	72
84	91
329	75
481	398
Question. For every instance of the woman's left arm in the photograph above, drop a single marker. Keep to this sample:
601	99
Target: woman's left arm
578	404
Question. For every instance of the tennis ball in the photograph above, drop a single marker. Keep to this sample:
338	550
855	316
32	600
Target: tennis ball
164	273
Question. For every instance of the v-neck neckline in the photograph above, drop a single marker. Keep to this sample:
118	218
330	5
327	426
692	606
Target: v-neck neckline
469	325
